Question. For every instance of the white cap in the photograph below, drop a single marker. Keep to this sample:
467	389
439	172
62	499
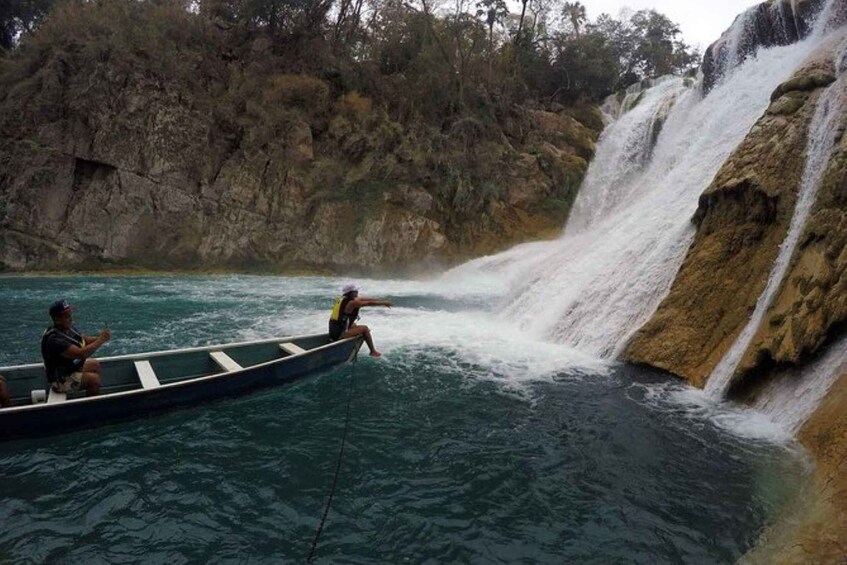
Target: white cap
349	287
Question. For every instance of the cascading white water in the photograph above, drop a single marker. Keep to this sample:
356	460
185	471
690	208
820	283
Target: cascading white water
628	144
833	14
738	35
630	227
791	395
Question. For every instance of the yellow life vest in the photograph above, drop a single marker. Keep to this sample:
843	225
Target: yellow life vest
336	309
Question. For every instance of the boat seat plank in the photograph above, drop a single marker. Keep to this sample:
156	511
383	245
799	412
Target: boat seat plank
291	348
54	397
224	361
147	374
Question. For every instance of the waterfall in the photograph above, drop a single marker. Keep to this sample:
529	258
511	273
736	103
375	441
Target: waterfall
822	137
630	227
792	394
833	14
628	145
778	22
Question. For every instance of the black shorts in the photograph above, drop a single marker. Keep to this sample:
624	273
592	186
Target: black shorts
335	330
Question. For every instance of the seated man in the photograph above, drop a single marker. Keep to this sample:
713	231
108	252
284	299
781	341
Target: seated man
342	321
5	400
66	353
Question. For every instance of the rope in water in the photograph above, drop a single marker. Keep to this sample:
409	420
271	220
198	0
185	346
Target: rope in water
311	558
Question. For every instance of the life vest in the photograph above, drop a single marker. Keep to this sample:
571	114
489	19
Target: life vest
339	320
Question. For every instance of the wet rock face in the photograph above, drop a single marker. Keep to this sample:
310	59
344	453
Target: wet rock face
777	22
811	304
741	220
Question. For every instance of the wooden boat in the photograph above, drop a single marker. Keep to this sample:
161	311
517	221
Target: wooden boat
141	384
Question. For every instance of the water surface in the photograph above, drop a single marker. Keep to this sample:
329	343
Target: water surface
468	442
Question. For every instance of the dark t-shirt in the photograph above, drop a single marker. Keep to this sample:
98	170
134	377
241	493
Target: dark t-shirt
53	344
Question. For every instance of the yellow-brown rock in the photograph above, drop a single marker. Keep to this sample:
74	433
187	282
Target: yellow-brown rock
812	301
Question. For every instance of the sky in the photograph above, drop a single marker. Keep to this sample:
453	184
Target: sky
701	21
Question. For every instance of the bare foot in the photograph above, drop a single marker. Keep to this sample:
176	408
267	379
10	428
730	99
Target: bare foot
376	354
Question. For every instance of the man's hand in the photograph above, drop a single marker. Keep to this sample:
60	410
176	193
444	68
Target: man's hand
105	335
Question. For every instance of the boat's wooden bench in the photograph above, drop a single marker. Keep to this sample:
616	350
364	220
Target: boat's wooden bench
54	397
147	374
291	348
224	361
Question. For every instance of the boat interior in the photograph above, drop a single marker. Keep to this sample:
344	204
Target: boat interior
27	384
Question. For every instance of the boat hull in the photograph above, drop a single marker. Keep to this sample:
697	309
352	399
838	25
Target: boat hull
46	418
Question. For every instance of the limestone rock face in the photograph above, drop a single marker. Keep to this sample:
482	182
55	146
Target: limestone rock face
106	166
811	304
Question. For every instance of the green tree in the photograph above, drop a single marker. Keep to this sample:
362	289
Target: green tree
658	52
584	68
493	12
576	14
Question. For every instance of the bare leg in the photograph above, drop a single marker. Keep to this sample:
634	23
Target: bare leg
90	384
361	330
91	377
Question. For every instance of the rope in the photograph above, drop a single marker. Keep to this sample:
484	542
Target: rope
311	558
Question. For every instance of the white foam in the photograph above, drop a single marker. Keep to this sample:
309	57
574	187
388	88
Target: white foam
699	407
793	394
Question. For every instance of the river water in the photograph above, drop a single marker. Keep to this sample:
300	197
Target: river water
468	441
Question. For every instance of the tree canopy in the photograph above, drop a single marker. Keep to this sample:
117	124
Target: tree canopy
417	58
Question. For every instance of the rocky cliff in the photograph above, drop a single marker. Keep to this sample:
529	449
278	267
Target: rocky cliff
121	148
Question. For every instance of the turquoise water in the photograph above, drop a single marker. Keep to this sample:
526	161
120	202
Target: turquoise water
468	442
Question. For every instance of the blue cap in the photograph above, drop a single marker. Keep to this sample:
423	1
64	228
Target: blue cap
60	307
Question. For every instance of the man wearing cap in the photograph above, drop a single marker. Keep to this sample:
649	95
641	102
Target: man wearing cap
66	353
345	312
